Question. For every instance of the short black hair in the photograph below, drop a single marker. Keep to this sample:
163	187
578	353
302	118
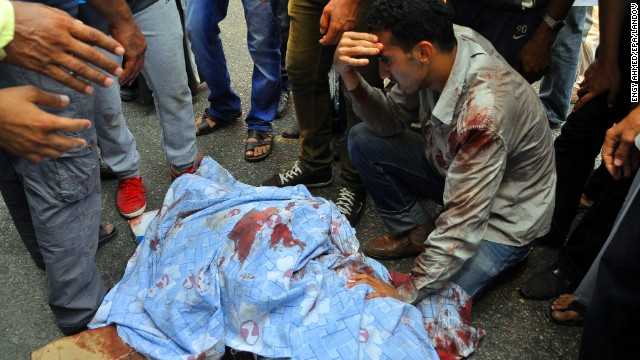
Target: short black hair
412	21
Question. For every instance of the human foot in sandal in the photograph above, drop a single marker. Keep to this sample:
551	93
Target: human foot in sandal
207	123
565	310
258	145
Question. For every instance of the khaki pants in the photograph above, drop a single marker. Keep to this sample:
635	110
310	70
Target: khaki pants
308	64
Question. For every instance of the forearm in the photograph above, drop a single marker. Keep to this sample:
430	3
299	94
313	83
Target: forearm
557	10
384	114
611	15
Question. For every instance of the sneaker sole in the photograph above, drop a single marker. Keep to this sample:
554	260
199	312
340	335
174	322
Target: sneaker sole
319	185
287	135
134	214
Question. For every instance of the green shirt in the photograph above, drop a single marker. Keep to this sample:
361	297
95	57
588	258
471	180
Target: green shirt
7	24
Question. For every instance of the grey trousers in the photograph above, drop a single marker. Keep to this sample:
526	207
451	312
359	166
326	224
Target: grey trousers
56	209
165	71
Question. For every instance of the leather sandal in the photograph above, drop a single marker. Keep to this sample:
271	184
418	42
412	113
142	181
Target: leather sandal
574	306
204	127
263	138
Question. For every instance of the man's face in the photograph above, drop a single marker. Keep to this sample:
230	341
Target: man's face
399	66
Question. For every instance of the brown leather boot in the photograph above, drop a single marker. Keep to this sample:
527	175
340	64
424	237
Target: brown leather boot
408	244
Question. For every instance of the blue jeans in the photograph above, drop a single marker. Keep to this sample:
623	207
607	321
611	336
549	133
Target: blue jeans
489	260
283	24
263	38
396	174
557	84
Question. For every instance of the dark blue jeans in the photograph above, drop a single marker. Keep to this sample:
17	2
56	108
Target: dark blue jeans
263	40
397	174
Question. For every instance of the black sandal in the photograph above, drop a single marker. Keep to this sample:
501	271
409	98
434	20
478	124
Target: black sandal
574	306
104	236
263	138
204	127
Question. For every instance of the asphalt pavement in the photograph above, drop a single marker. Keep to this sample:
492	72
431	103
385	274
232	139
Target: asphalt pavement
516	328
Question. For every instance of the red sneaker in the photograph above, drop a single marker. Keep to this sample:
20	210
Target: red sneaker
196	164
130	197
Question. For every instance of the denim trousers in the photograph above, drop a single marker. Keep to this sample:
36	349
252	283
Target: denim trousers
263	40
165	71
283	25
556	86
55	206
308	65
396	174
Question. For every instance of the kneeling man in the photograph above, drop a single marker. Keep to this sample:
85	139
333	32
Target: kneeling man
485	153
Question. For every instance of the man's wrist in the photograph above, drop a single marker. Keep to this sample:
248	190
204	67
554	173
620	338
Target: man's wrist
553	24
7	25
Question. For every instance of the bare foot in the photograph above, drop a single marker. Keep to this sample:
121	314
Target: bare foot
108	227
561	312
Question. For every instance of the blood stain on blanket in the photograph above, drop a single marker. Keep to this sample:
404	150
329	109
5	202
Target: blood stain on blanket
153	245
244	232
246	229
283	232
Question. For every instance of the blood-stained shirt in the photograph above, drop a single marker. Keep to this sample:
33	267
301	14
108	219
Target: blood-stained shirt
487	135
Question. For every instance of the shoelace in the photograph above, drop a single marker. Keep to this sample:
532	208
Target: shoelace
295	171
135	188
345	201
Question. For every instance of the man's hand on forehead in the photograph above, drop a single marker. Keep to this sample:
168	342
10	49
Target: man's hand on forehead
353	46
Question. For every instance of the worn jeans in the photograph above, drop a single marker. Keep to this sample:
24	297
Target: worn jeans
56	209
165	71
556	86
283	25
396	174
308	65
263	40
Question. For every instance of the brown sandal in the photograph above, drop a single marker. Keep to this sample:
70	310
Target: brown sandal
204	127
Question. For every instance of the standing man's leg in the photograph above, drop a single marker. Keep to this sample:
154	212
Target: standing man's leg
16	201
118	149
283	24
610	327
202	19
308	65
165	71
64	198
263	40
352	194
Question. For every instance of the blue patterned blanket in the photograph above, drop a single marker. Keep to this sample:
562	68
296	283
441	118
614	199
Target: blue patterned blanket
263	270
